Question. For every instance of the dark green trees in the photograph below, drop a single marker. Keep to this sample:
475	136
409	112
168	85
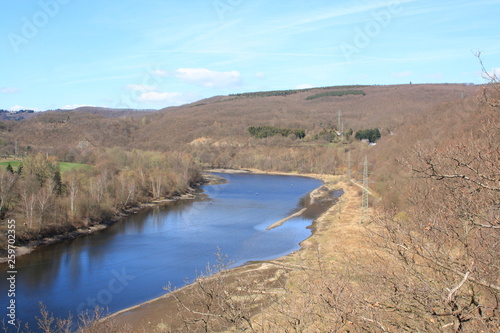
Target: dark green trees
372	134
267	131
9	168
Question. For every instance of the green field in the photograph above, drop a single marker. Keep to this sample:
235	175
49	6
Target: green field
63	166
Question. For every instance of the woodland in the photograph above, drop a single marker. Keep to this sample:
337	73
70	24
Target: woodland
435	173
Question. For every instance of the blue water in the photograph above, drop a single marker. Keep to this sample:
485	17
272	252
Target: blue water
131	261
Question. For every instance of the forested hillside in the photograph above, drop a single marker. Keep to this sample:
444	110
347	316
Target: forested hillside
237	131
216	130
434	175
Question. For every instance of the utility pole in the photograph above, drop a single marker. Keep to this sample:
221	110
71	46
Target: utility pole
339	121
364	200
15	149
349	175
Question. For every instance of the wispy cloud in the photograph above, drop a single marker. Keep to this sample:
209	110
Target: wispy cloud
140	87
155	96
208	78
74	106
8	90
260	75
495	72
101	78
343	10
159	73
163	99
19	107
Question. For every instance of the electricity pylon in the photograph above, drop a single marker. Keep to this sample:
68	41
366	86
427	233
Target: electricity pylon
364	216
349	175
339	121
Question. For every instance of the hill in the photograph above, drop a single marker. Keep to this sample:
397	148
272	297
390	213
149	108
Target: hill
227	118
108	112
16	115
427	258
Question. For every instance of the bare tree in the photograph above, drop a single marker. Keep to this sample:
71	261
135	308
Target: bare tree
156	179
28	199
219	300
447	239
7	186
73	189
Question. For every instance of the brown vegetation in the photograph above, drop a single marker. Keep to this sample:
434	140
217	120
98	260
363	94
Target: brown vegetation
47	202
428	261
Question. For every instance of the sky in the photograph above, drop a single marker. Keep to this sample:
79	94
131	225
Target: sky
150	54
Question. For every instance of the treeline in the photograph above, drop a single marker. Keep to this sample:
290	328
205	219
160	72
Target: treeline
47	202
296	91
372	134
268	131
270	93
337	93
275	154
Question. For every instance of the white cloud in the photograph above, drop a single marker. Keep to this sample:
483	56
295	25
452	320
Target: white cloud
260	75
157	97
140	87
304	86
74	106
16	108
402	74
207	78
8	90
495	72
160	73
19	107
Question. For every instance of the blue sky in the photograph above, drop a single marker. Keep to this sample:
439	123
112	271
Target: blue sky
157	53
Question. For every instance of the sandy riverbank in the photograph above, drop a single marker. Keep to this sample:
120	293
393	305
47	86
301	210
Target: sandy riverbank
162	313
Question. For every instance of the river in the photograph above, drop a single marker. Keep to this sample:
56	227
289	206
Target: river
129	262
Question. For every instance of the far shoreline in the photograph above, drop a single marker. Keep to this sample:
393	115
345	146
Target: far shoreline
33	245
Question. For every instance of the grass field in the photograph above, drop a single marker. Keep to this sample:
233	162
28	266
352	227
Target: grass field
64	166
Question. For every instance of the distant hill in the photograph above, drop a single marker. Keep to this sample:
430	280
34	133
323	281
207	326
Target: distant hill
221	119
108	112
16	115
6	115
387	107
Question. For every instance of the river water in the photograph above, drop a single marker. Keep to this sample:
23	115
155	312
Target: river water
131	261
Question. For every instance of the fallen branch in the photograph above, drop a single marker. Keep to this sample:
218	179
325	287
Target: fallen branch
457	287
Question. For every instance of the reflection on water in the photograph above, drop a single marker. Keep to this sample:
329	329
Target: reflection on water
131	261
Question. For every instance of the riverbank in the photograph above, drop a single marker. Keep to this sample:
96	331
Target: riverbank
30	246
266	278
